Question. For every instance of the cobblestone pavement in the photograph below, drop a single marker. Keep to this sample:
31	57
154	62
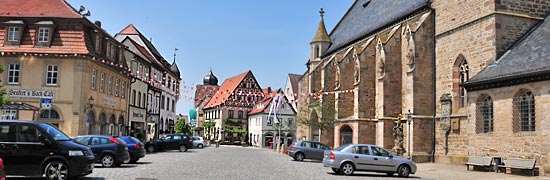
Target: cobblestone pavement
238	163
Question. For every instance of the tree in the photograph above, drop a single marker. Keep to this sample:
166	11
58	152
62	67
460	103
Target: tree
183	127
208	125
3	100
326	120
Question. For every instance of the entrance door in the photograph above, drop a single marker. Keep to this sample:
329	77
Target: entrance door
346	135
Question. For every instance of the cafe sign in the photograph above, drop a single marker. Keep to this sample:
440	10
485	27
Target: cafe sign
31	93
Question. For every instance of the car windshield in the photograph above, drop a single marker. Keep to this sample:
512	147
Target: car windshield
55	133
341	147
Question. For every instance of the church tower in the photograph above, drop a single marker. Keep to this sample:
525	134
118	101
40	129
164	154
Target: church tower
319	44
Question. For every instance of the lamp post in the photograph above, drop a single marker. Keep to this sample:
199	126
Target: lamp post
91	101
409	120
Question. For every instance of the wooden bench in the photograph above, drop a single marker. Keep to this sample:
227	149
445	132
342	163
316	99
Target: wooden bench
479	161
528	164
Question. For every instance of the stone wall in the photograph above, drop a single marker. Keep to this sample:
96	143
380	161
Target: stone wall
366	88
452	14
535	8
509	29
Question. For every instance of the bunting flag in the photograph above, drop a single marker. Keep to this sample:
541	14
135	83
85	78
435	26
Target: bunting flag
277	100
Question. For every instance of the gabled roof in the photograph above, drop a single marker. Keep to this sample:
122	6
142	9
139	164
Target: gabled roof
294	79
63	42
265	102
529	56
365	17
37	8
129	30
142	52
132	32
204	93
225	90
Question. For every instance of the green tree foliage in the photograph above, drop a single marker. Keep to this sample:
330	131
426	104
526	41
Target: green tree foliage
3	100
326	120
183	127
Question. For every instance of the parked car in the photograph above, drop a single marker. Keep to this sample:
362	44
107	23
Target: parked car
366	157
301	150
198	142
108	150
179	142
135	147
30	148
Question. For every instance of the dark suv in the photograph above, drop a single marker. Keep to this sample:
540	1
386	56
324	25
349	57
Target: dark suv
31	148
109	151
179	142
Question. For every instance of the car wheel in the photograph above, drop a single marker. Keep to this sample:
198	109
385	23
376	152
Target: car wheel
347	169
200	146
56	170
183	148
108	160
151	149
129	160
336	170
299	157
404	171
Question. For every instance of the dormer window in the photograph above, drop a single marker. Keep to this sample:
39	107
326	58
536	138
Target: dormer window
14	33
44	32
97	43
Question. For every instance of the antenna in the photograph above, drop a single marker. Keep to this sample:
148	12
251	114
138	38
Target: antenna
175	50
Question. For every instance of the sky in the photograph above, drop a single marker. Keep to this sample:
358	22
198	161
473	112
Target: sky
270	38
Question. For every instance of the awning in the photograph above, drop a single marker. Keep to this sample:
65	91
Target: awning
19	106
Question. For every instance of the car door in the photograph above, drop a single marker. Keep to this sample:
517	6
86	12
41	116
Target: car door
29	151
383	160
308	149
168	142
7	140
176	141
362	157
320	150
100	145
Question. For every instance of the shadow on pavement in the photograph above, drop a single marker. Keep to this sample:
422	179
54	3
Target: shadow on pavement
356	174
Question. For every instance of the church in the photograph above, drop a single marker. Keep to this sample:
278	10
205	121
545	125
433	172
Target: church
432	80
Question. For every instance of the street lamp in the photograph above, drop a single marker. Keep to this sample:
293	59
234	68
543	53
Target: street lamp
409	120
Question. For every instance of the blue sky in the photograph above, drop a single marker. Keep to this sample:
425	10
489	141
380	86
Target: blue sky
271	38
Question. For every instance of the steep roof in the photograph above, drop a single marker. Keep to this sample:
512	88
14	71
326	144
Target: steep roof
129	30
174	68
132	32
37	8
265	102
142	51
527	57
204	93
365	17
321	35
294	80
63	42
225	90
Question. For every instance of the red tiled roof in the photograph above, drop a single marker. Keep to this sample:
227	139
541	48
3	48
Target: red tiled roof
63	42
266	101
37	8
204	93
294	79
130	30
226	89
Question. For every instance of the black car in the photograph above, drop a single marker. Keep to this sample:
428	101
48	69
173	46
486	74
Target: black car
179	142
135	148
108	150
31	148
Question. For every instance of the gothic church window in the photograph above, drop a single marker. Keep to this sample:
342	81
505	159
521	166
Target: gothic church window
484	120
464	76
524	112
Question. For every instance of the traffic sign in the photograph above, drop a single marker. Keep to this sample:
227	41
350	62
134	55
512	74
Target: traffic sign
46	103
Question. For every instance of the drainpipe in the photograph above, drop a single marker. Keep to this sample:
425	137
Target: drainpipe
434	87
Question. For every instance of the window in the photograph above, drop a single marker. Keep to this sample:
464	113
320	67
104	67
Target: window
484	123
13	34
143	99
134	67
464	76
361	150
240	114
43	34
167	103
230	112
139	99
173	106
94	78
98	43
290	121
378	151
13	73
110	87
270	121
113	51
108	53
9	114
102	85
5	135
524	112
52	72
48	114
27	133
117	86
134	97
123	89
162	102
140	72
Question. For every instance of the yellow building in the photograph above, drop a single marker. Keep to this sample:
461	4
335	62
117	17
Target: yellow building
62	69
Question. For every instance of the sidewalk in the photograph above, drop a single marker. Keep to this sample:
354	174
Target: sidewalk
442	171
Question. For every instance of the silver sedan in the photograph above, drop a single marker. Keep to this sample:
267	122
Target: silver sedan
366	157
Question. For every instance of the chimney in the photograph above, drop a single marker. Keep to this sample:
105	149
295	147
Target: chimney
268	90
98	23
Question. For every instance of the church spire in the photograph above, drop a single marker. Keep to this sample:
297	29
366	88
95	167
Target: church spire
321	35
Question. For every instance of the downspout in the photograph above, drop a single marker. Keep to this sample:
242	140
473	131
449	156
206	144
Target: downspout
434	87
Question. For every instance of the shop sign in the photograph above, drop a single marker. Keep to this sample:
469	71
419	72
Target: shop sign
109	101
30	93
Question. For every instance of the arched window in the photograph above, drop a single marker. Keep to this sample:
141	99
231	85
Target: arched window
484	120
134	97
48	114
464	76
524	112
102	123
120	126
112	121
91	122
